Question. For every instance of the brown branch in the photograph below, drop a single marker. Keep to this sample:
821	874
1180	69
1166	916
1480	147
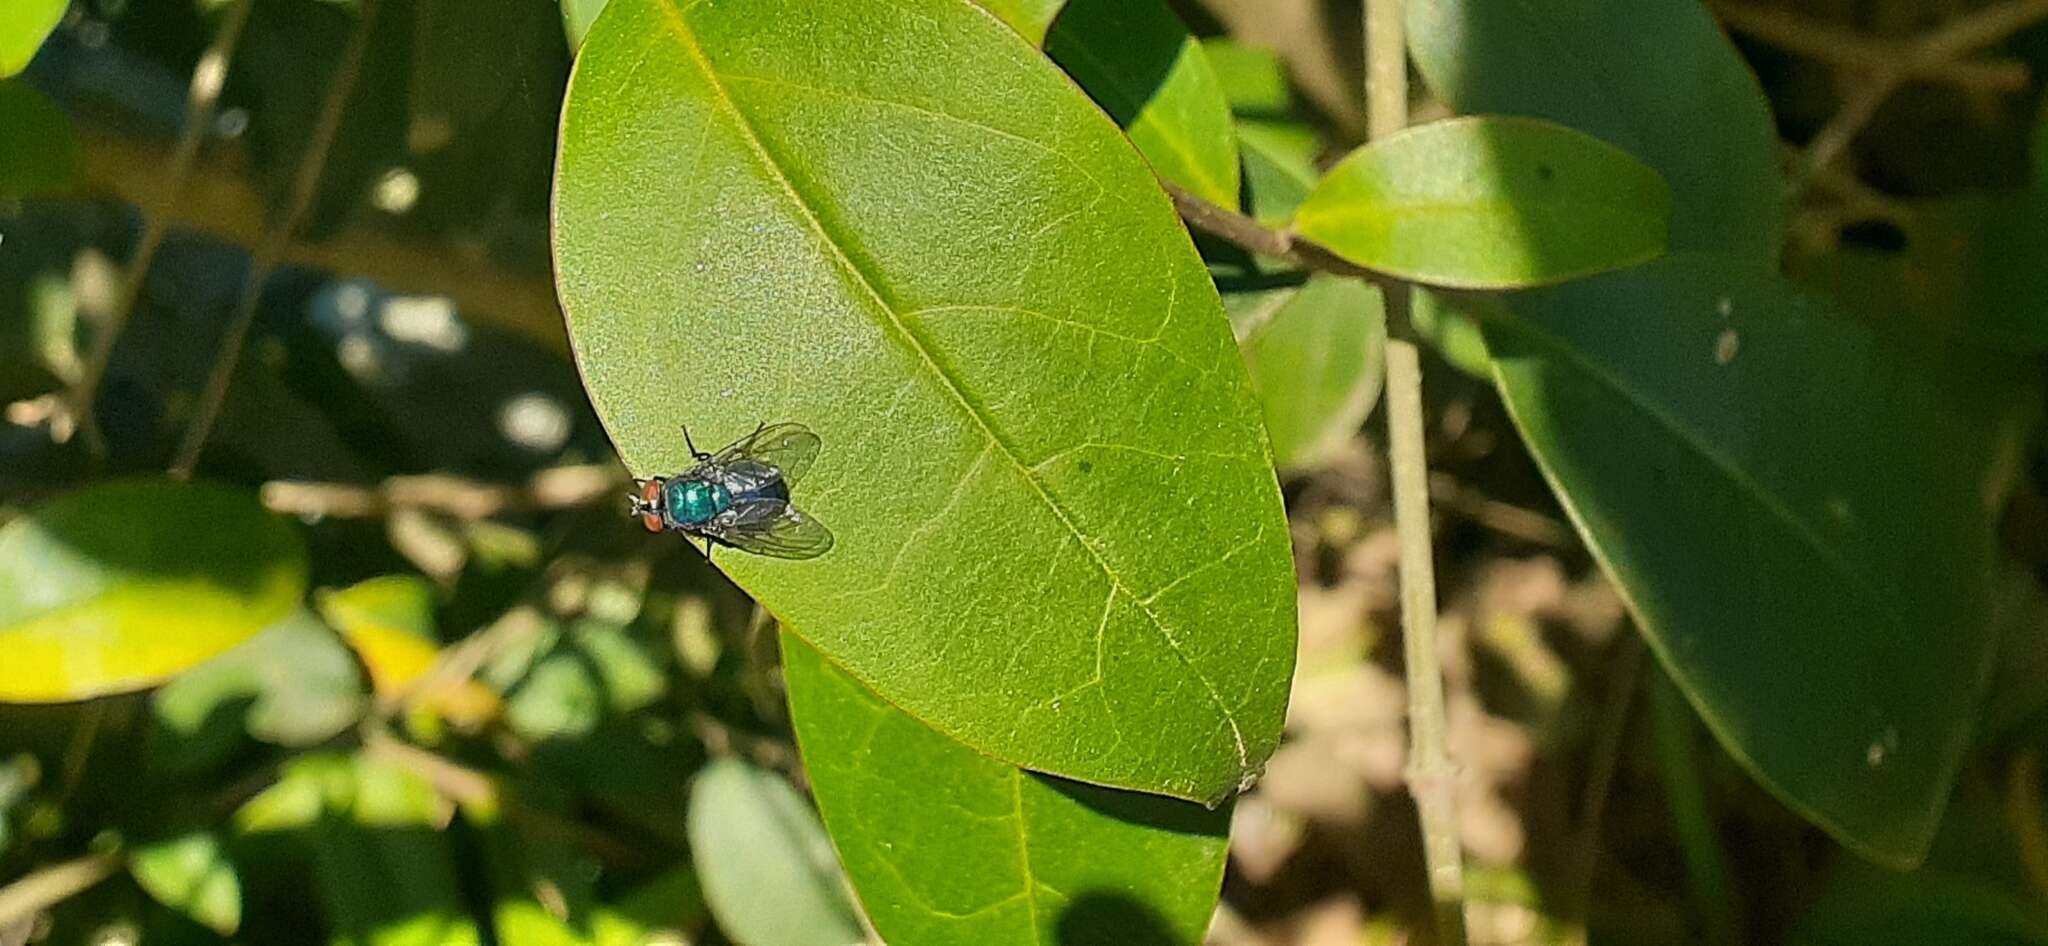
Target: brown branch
219	203
305	183
45	888
1258	238
208	76
560	487
1828	43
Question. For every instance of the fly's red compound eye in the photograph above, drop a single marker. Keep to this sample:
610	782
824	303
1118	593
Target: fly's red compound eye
650	497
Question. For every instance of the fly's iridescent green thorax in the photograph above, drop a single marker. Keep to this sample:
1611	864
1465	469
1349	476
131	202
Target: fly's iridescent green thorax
695	502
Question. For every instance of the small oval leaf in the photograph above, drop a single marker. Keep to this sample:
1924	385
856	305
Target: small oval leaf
1314	358
191	874
1042	458
1136	59
1026	859
121	586
1489	203
763	859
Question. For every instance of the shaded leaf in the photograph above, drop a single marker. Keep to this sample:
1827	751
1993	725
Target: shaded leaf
946	845
292	685
125	584
1450	325
191	874
1866	907
1139	63
40	155
24	24
665	908
577	15
1083	509
1795	514
1490	202
1278	150
1030	18
1658	80
1314	358
766	866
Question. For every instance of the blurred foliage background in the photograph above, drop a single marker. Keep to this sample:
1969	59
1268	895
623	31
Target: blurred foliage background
486	719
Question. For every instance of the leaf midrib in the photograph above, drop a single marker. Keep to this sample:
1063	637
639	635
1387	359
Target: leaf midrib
672	15
1851	578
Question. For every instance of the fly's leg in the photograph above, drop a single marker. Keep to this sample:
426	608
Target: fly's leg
695	454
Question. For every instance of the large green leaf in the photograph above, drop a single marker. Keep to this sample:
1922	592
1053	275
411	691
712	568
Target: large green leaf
24	24
1060	538
1795	514
1656	79
946	845
1314	357
1489	203
1136	59
764	861
123	585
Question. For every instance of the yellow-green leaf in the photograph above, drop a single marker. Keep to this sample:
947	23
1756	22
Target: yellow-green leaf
122	585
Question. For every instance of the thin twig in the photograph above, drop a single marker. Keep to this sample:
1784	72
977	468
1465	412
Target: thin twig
52	885
1505	518
305	184
561	487
1430	772
209	75
1258	238
1830	44
1583	857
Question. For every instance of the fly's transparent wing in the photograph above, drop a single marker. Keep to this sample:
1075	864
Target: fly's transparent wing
789	448
773	528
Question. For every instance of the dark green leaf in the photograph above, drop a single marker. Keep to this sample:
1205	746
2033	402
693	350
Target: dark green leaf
1136	59
295	684
191	874
765	863
1490	202
951	266
1278	149
1314	357
126	584
24	24
1796	514
1868	907
1657	80
39	155
946	845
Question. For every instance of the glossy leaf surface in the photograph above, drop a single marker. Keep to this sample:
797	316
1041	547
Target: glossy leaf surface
765	864
946	845
24	24
1139	63
1793	512
1489	203
123	585
1658	80
952	267
1314	356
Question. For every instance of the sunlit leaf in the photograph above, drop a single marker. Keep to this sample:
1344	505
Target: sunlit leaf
1136	59
1658	80
125	584
577	15
952	267
946	845
1490	202
1314	357
1795	513
389	621
766	867
24	24
1030	18
191	874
